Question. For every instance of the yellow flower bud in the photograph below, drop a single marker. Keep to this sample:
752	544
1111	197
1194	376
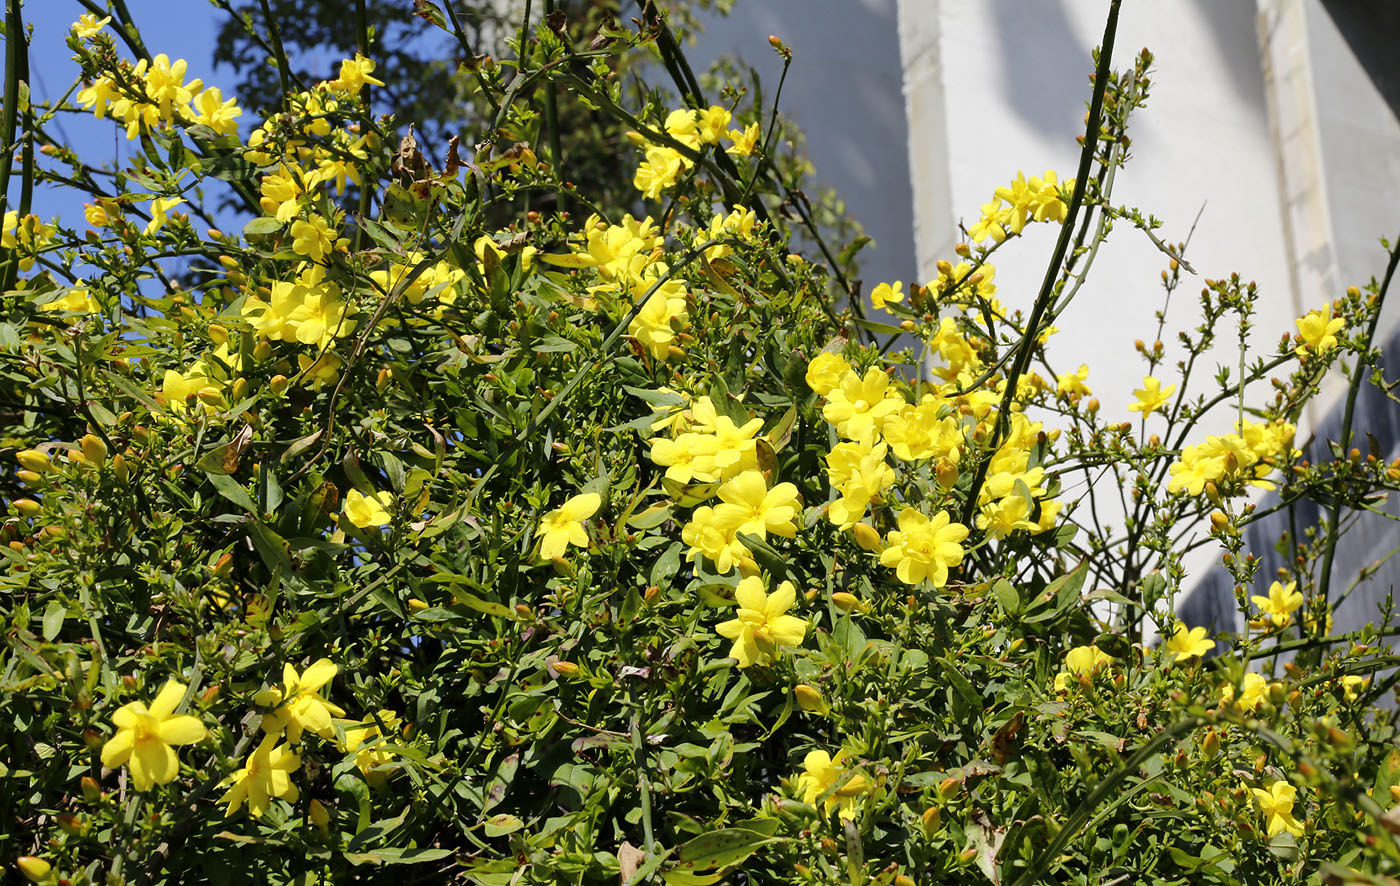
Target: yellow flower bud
94	450
211	395
947	475
847	602
35	869
34	460
30	478
218	334
262	350
566	668
320	816
278	383
240	389
932	821
809	699
416	605
868	537
223	567
948	787
1210	745
27	507
91	792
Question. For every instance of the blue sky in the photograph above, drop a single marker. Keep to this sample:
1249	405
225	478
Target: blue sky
180	28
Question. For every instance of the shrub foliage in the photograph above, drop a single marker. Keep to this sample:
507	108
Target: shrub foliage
443	524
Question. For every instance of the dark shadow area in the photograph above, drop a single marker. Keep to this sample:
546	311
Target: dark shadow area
1372	29
1227	20
1039	56
845	92
1375	429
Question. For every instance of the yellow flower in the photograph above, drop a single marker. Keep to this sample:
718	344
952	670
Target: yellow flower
885	292
860	472
1253	688
281	191
211	109
1319	331
917	432
366	511
822	772
661	170
354	74
78	299
298	705
989	225
860	405
1151	396
762	623
825	372
1194	469
159	207
752	508
1280	603
712	124
1188	642
144	737
364	740
166	86
1082	663
924	549
656	323
87	26
706	534
1045	203
1352	686
689	457
313	237
745	140
1276	802
100	214
563	526
265	774
321	370
1070	385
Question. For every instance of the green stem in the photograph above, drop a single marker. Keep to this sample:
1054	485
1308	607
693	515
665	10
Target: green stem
1047	287
643	786
14	47
283	67
1362	364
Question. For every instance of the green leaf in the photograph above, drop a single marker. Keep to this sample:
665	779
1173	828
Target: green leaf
666	566
719	849
486	607
272	547
397	856
429	11
261	226
651	518
53	619
500	825
1007	596
232	490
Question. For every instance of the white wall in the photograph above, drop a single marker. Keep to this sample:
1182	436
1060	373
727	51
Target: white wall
844	92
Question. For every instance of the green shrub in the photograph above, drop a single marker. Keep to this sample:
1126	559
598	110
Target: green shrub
383	541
